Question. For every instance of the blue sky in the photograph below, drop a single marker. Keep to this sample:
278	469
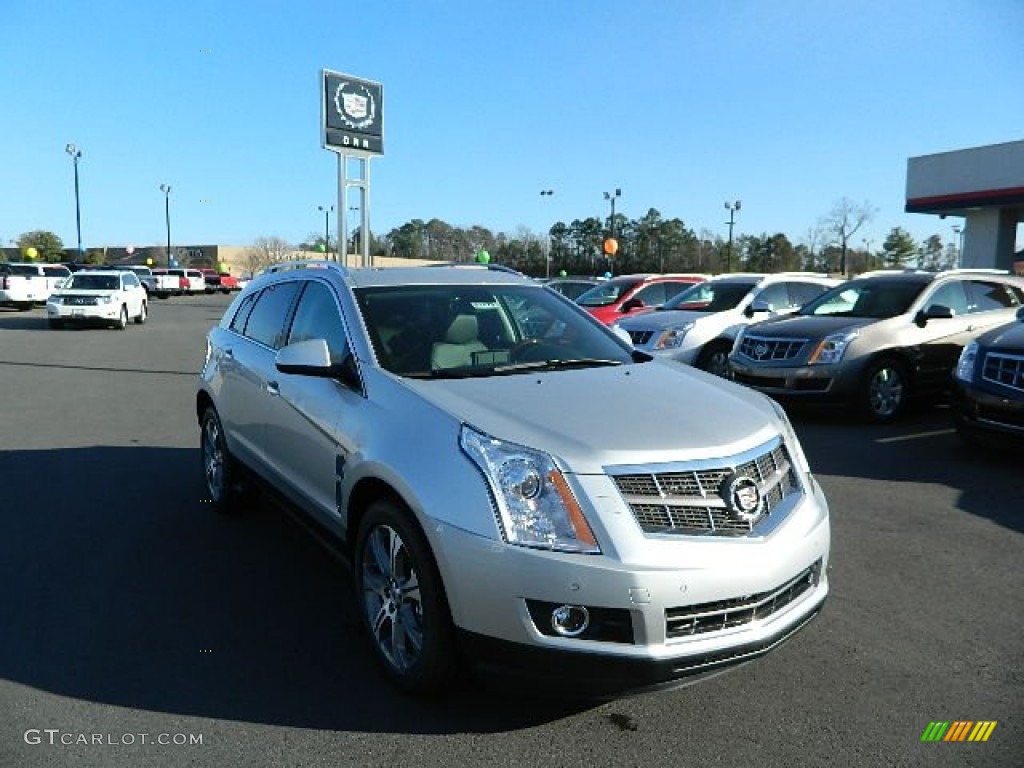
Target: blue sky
787	106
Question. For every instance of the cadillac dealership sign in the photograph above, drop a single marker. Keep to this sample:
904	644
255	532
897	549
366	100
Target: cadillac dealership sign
353	117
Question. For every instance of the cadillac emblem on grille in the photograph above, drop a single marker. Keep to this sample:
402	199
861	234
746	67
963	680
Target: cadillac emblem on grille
760	350
742	497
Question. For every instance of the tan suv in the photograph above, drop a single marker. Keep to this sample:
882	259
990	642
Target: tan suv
876	340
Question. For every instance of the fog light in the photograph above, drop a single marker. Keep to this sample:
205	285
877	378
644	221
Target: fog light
570	620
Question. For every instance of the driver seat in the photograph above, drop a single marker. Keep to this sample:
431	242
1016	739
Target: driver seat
461	340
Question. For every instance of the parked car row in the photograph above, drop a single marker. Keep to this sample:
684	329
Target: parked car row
876	342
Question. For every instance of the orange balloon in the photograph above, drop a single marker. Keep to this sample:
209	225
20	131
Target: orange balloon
611	246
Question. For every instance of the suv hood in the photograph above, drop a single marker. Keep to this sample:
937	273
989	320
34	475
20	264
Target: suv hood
809	327
1006	337
597	417
658	319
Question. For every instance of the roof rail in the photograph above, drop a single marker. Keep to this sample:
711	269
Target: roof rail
286	266
981	270
477	265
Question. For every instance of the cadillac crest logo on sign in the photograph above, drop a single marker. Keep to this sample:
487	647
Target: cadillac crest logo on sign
355	104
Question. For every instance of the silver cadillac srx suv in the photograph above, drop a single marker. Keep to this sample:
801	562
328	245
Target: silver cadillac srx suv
518	489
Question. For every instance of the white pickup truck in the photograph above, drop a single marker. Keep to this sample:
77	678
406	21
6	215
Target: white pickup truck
24	284
166	284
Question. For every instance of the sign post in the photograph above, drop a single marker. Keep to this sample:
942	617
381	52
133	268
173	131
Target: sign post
352	126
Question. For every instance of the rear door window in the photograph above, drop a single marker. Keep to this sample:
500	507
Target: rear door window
986	296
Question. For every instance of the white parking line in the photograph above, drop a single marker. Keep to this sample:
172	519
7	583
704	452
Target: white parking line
936	433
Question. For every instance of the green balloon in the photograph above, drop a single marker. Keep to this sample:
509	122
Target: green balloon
320	247
563	273
483	257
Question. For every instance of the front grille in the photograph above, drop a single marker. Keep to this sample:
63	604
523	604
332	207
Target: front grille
689	502
725	614
640	337
1010	418
80	301
765	348
1004	369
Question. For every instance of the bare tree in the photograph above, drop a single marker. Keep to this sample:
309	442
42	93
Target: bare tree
843	222
265	251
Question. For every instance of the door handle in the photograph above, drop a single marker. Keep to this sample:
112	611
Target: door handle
273	389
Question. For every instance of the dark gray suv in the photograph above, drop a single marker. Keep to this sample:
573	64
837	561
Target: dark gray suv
877	340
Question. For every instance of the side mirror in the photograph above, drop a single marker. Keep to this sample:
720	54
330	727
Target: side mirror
756	307
1020	313
934	312
630	305
313	358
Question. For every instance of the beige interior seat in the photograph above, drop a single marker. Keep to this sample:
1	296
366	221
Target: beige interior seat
461	340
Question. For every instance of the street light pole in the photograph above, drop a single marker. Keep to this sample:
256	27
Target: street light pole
732	208
610	196
547	240
76	154
958	231
166	189
327	229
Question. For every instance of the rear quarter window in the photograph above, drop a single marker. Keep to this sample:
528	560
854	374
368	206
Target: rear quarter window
268	319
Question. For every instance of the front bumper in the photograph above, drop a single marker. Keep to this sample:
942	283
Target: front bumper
689	607
94	313
821	382
985	414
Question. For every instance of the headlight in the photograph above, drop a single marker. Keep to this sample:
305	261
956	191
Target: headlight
796	451
105	300
536	507
671	338
738	340
965	365
55	300
831	348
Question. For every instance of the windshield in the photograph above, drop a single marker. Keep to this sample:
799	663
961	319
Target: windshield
606	293
712	296
455	331
866	298
86	282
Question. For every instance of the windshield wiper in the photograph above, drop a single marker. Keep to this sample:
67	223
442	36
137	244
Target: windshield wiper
556	365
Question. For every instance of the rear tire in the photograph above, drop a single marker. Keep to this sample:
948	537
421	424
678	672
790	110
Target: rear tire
221	473
402	602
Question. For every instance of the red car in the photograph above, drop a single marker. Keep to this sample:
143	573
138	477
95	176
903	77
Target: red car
612	299
219	281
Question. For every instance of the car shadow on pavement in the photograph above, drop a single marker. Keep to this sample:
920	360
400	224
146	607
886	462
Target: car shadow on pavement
23	321
119	585
920	447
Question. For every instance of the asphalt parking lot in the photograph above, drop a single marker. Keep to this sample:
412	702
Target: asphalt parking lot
128	609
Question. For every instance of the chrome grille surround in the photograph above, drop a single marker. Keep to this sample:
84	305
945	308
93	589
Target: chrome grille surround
684	499
693	620
763	349
1004	369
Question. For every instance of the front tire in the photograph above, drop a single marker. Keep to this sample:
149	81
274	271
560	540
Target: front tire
402	602
143	314
884	392
715	359
122	320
